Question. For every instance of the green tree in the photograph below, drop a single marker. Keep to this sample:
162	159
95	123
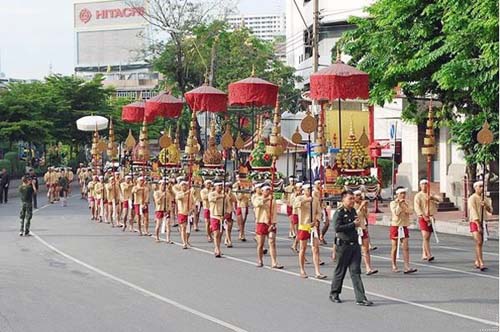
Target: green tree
447	49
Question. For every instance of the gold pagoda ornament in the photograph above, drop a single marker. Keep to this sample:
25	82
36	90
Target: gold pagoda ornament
143	151
429	148
95	147
363	139
212	156
275	147
192	146
352	155
112	149
320	138
130	141
170	154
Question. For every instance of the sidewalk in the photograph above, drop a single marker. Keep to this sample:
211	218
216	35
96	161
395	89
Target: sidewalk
446	222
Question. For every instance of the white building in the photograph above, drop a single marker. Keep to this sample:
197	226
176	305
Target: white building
110	36
448	167
266	26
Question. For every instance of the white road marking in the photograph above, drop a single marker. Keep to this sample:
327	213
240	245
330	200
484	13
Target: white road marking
452	313
142	290
433	266
460	249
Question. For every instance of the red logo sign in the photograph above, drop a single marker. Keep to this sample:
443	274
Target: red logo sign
85	15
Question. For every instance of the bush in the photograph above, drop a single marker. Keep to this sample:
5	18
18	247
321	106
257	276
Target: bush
21	169
5	163
386	167
14	161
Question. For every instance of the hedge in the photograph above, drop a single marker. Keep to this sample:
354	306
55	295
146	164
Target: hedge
5	163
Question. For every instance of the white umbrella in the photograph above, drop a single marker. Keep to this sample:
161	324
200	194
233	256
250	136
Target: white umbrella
90	123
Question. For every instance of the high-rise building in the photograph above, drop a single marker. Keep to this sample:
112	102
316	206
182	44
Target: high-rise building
110	36
266	27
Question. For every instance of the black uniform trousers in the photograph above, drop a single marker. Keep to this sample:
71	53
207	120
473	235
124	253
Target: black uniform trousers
348	256
4	192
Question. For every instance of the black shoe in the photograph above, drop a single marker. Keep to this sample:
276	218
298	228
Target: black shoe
335	299
27	234
365	303
264	251
21	233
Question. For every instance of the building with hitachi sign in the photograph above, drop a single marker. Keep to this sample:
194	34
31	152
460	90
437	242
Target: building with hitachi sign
110	37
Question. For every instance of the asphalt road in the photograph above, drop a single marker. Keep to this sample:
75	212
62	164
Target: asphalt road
76	275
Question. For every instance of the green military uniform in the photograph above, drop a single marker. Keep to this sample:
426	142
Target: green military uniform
348	253
26	192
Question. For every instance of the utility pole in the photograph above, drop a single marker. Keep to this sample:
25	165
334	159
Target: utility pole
315	35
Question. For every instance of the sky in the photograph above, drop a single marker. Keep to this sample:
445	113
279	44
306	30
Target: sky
37	36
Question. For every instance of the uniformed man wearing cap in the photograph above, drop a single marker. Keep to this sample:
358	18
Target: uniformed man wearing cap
475	204
398	231
424	213
348	251
26	191
207	188
309	211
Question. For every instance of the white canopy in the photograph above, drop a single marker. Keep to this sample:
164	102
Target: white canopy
90	123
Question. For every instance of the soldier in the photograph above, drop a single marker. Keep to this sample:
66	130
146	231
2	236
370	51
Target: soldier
398	231
206	207
242	202
288	191
127	204
216	200
348	251
425	213
26	191
477	225
361	207
266	219
185	205
4	186
309	210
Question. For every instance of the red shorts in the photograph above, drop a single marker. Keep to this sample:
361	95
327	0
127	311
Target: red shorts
206	214
214	224
365	234
393	232
295	219
227	217
182	218
263	229
239	211
473	226
424	226
144	209
303	235
91	199
289	210
98	201
160	214
125	204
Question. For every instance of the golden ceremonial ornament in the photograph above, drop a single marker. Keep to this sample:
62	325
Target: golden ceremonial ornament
297	137
429	149
308	123
130	141
485	136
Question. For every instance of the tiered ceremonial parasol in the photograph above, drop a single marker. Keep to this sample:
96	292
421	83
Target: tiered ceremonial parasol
164	105
134	112
339	81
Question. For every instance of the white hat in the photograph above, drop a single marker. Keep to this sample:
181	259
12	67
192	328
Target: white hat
208	181
117	173
317	182
477	183
306	186
161	181
218	184
179	178
140	178
423	181
258	185
228	184
183	182
401	190
298	184
128	177
101	177
266	187
357	192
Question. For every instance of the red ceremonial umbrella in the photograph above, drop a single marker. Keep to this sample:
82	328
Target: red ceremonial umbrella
339	81
206	98
134	112
253	91
164	105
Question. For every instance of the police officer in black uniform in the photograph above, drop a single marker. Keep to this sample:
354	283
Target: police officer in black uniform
348	251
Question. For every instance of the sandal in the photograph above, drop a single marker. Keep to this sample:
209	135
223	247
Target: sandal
430	259
396	270
303	275
260	265
412	270
483	268
278	267
320	276
369	273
